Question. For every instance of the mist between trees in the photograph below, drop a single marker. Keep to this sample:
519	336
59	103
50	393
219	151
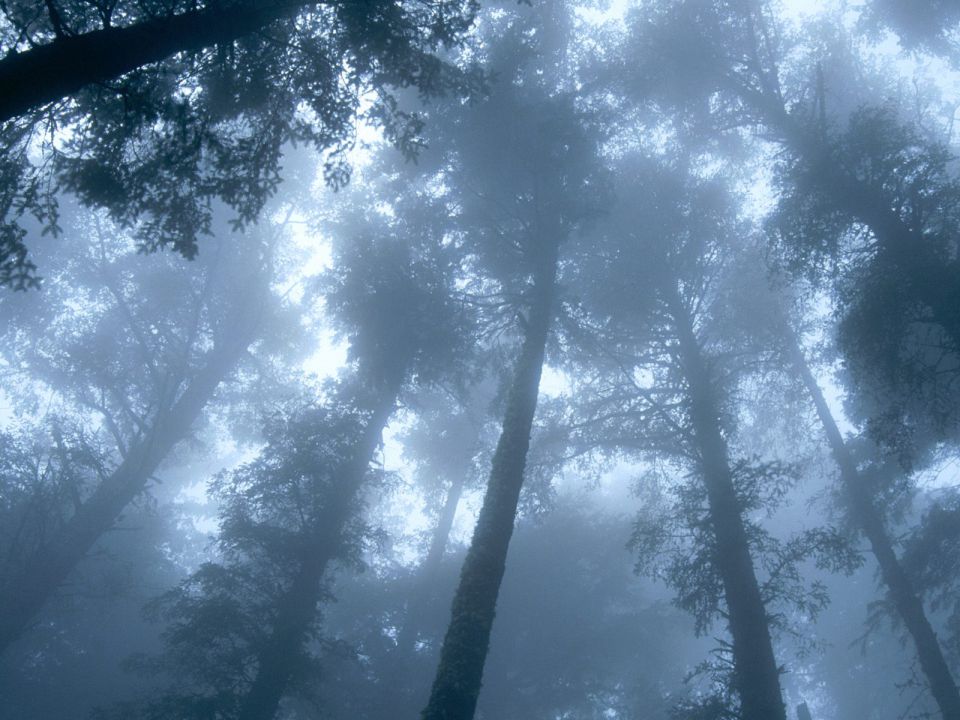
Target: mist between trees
455	360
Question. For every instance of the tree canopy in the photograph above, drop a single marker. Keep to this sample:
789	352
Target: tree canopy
619	381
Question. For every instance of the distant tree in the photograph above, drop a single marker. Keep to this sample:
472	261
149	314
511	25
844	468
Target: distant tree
931	25
70	659
138	354
447	446
154	110
601	642
863	491
605	642
237	629
931	559
292	514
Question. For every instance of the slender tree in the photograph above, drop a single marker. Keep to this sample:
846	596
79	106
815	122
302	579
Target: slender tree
661	369
446	445
906	600
396	309
146	407
525	161
297	510
321	542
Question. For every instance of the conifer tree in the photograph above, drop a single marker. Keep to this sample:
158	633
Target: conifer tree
171	346
661	368
526	177
293	513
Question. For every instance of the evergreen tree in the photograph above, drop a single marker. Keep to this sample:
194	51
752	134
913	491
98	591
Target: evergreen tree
526	178
293	513
664	384
143	363
860	188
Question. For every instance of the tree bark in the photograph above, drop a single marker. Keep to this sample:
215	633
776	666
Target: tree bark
51	72
24	596
297	609
904	596
456	686
756	675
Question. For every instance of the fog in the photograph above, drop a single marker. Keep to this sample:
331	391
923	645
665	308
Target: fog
457	359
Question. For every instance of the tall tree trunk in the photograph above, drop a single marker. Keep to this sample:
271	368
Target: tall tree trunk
298	607
756	675
460	673
905	598
24	596
429	571
51	72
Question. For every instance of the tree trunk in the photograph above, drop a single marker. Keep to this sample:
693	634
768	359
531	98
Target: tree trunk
905	598
756	675
24	596
460	673
51	72
429	571
297	609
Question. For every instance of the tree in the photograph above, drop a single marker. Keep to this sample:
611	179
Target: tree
930	557
293	513
869	482
929	25
859	186
863	506
287	516
68	661
144	367
447	446
875	192
156	110
602	641
525	165
664	369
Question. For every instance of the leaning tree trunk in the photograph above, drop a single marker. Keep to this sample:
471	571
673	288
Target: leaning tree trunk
47	73
459	675
756	675
905	598
297	609
24	595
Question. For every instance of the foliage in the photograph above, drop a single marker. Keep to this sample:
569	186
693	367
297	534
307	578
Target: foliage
927	25
220	618
674	541
161	146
